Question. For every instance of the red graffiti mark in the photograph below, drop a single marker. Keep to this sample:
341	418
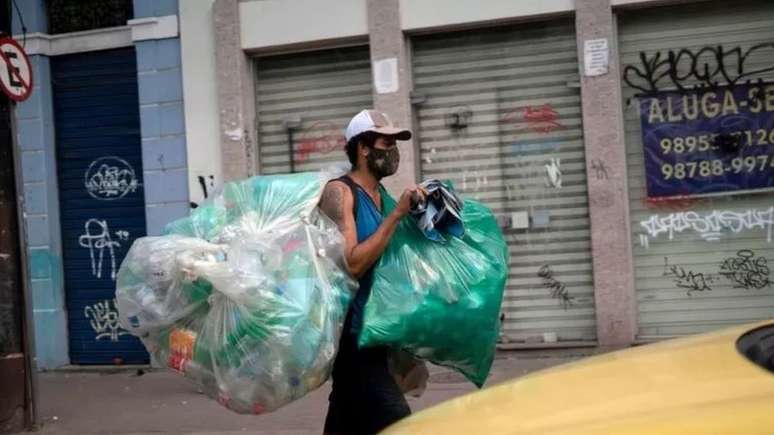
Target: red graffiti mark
321	137
671	203
541	119
675	203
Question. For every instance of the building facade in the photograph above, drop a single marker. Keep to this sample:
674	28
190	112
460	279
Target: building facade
103	161
625	146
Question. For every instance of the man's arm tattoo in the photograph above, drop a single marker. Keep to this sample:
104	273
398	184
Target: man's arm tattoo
332	203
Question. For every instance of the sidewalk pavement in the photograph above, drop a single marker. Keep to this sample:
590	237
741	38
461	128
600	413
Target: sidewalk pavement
163	402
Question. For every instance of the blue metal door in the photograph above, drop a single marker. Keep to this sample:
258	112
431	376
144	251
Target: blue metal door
99	165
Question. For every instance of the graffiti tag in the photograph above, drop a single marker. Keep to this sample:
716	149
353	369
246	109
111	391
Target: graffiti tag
110	178
97	239
540	119
321	137
206	184
687	279
680	202
600	169
710	226
709	66
103	318
558	289
746	270
554	173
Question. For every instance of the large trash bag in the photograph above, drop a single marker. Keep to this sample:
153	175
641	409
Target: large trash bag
440	301
247	296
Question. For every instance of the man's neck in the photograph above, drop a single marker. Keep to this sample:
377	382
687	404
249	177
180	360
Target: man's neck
365	178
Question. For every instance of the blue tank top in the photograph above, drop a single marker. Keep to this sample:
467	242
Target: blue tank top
367	220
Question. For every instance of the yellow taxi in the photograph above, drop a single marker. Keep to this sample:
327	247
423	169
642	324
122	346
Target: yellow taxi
715	383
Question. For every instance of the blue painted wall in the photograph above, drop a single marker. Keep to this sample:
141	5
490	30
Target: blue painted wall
162	121
154	8
164	172
34	14
35	136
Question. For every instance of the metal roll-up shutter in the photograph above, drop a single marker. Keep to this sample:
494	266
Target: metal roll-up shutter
308	99
500	118
102	207
701	262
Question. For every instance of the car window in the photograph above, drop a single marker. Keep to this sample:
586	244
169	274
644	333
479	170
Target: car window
758	346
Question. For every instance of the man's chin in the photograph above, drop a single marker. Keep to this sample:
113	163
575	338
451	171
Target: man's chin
386	175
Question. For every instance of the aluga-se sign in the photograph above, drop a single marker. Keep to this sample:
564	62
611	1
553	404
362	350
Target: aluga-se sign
708	141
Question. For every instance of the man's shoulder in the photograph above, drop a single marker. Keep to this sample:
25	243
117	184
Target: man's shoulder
337	184
337	190
337	200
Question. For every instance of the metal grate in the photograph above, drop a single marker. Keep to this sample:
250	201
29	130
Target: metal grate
304	102
501	118
101	198
66	16
680	281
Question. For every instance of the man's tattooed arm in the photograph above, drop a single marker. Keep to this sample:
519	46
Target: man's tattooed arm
332	202
337	203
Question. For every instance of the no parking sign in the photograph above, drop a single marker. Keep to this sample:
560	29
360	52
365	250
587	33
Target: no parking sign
15	70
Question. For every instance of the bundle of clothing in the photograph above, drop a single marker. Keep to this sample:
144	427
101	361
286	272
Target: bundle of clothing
439	213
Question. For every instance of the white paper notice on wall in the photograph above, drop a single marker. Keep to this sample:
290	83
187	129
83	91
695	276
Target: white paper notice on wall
386	75
596	57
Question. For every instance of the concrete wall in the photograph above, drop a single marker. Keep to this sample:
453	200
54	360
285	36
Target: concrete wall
430	14
35	138
427	14
603	138
288	25
387	41
270	23
162	121
200	93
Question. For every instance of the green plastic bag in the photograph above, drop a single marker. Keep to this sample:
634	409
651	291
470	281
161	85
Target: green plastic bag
441	301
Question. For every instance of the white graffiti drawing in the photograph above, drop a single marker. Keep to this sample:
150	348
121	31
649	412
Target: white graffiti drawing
103	318
96	238
109	178
554	173
710	226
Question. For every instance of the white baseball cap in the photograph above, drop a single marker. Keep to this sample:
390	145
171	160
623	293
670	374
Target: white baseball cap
378	122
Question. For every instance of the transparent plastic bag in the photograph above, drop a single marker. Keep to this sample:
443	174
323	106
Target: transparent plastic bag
153	290
247	296
440	301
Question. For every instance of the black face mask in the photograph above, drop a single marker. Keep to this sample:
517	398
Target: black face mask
383	163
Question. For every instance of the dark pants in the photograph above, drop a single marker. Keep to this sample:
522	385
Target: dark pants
365	398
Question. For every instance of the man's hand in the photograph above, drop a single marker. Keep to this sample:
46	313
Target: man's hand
410	196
